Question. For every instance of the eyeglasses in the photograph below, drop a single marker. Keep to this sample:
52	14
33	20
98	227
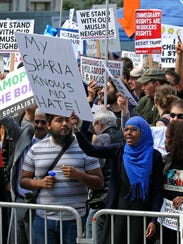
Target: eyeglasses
179	116
131	129
37	121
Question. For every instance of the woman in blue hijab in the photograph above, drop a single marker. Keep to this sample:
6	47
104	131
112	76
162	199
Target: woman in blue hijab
136	179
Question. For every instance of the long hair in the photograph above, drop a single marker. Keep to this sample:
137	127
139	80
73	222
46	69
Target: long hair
175	132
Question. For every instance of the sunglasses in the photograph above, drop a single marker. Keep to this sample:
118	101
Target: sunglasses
37	121
179	116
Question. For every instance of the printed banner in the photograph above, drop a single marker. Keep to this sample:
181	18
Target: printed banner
148	31
15	93
92	68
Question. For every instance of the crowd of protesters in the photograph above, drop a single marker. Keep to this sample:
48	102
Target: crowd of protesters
129	158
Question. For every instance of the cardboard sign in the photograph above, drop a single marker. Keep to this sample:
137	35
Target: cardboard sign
54	75
15	93
7	28
148	31
92	68
92	24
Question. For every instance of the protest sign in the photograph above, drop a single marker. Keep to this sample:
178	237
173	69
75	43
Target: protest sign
73	36
171	32
148	31
168	55
113	44
8	28
15	93
92	23
137	59
167	207
120	86
91	48
6	60
54	75
92	68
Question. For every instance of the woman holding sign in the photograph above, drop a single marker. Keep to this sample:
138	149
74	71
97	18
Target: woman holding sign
136	179
173	173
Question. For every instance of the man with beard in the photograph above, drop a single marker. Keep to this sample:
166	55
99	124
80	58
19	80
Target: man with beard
34	128
74	173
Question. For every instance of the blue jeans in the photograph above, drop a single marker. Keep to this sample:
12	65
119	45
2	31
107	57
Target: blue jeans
100	224
53	231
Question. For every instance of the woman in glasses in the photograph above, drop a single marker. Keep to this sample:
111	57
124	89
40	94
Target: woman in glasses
173	179
136	179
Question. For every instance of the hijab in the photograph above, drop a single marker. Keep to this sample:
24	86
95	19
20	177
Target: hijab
138	159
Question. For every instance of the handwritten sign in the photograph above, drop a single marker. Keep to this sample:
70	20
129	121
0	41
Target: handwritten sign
15	93
54	75
92	23
148	31
8	28
92	68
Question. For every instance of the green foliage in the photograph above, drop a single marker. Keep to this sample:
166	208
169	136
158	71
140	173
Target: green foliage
87	4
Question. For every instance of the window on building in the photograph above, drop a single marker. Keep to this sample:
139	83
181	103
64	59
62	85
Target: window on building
40	6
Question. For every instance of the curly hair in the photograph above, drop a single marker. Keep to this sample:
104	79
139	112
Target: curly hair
175	133
165	95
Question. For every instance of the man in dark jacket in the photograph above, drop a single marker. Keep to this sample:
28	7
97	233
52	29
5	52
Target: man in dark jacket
106	132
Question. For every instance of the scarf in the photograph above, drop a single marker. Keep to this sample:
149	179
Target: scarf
138	159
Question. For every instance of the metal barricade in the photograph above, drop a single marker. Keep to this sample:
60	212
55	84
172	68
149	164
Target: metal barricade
14	207
79	238
143	214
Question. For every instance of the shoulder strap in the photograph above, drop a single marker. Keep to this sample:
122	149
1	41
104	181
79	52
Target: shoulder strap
64	148
164	120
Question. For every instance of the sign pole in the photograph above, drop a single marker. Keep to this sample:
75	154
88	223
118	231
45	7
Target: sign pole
60	19
106	55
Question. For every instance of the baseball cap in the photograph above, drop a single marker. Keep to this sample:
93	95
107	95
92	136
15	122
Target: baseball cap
152	74
136	72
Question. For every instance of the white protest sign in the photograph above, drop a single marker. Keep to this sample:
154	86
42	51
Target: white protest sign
54	75
168	54
15	93
113	44
172	31
91	48
72	35
92	68
137	59
120	86
167	207
92	23
8	28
